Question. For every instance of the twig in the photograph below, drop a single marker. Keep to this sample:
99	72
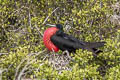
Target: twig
4	70
25	67
1	71
18	68
38	30
3	54
50	15
67	54
30	20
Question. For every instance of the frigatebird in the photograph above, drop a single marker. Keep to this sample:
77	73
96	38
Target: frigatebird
55	38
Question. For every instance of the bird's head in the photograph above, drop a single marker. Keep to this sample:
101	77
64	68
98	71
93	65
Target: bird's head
58	26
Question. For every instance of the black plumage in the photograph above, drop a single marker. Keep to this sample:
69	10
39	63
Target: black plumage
67	42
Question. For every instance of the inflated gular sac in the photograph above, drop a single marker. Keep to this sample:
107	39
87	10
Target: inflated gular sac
46	39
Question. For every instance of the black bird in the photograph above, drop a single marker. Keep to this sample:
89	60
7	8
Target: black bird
67	42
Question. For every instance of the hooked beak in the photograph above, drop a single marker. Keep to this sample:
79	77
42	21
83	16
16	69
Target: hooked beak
52	25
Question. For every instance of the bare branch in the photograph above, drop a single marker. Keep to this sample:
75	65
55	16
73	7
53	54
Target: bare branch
25	67
3	54
50	15
30	20
38	30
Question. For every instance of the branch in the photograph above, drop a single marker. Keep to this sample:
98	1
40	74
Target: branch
30	20
3	54
50	15
25	67
40	34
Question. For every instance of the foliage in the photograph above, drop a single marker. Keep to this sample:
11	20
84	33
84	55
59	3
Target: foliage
23	55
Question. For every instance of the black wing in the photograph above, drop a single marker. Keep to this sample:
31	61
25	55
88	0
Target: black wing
60	33
73	39
66	42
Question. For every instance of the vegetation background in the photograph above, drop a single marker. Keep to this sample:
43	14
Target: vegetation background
23	55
